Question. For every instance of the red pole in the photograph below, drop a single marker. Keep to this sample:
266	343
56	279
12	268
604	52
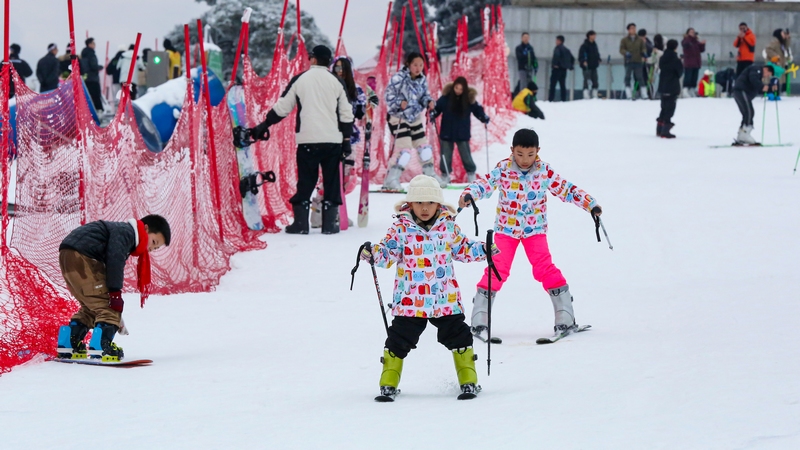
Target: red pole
297	7
422	21
105	75
394	43
416	32
210	123
341	29
236	58
6	72
186	45
402	32
385	29
5	37
283	15
126	90
246	49
77	92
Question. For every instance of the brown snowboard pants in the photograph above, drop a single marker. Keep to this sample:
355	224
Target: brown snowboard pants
86	280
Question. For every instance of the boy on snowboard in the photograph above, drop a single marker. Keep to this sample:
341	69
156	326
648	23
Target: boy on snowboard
524	181
92	259
424	240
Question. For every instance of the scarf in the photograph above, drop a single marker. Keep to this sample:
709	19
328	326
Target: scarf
143	267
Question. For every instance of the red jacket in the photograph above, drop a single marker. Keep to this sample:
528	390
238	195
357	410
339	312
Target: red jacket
746	46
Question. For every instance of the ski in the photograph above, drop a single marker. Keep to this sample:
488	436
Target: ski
750	145
387	191
389	397
493	340
248	185
99	362
343	220
562	335
363	202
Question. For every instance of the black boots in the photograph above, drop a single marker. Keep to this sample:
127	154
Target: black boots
659	127
300	224
330	216
665	130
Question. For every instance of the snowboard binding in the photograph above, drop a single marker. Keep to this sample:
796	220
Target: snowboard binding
251	183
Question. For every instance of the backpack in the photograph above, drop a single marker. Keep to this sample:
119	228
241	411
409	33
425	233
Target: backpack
111	68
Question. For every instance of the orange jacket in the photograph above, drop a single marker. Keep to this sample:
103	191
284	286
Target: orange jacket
746	46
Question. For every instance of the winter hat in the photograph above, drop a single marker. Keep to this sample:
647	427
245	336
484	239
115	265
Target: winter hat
776	69
672	44
708	72
423	188
51	47
532	86
322	53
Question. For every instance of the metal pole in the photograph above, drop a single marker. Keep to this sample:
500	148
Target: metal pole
763	117
778	119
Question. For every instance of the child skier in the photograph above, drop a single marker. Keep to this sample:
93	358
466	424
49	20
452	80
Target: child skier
523	181
525	101
92	259
424	241
407	97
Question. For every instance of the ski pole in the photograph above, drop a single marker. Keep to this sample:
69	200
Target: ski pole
763	117
368	246
468	199
778	119
441	154
492	269
599	224
796	161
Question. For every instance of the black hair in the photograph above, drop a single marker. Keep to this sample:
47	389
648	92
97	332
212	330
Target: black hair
532	86
168	45
642	32
630	25
15	48
771	69
411	56
778	34
690	29
157	224
658	42
560	38
347	78
459	104
88	41
525	138
590	33
743	23
672	44
131	47
525	33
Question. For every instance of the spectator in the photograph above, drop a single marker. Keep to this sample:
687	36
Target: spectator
526	62
562	61
751	82
65	62
669	86
91	68
633	49
589	59
324	124
457	102
47	70
141	73
525	102
646	67
778	52
653	60
124	65
174	60
746	43
20	66
113	70
692	60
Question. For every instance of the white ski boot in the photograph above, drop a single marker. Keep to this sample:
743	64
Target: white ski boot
586	94
628	93
427	169
470	177
744	137
316	211
594	93
480	316
392	180
562	307
643	93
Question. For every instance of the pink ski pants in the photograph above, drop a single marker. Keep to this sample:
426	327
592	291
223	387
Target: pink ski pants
544	271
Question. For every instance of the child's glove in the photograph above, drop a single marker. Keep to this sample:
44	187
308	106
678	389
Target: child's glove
494	250
115	301
366	254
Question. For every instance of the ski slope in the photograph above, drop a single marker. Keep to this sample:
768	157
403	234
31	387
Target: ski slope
694	342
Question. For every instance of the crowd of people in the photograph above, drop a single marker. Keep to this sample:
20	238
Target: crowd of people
655	70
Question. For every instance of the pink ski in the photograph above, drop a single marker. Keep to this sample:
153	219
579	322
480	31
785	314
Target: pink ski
343	207
363	203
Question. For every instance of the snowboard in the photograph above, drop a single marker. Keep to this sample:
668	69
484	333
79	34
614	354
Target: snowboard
98	362
556	338
246	161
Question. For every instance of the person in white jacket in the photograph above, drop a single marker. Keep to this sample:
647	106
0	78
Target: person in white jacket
324	124
124	65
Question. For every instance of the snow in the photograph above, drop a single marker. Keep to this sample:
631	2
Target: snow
172	93
693	345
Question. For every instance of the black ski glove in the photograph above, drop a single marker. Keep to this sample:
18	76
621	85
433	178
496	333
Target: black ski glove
260	132
347	150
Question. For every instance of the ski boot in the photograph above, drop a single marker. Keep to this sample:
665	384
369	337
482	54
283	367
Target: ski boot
562	306
316	211
586	94
659	127
743	137
470	177
643	93
330	218
594	93
628	93
392	180
464	359
70	341
300	224
665	130
480	316
102	345
427	169
390	377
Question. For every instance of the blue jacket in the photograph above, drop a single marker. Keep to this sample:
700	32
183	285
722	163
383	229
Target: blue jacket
456	127
414	91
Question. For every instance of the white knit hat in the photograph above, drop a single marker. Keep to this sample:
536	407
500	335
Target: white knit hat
423	188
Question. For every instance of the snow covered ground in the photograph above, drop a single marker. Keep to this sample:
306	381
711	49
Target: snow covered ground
694	342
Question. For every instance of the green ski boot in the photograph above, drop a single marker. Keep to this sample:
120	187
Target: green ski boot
464	359
390	377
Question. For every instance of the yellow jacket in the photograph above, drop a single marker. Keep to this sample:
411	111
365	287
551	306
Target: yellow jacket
520	101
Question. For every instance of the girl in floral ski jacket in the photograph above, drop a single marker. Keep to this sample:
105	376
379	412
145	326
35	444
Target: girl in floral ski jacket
423	241
407	99
524	181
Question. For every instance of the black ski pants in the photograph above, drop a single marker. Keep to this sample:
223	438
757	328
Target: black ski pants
310	158
535	112
95	92
744	100
558	76
668	103
453	332
635	69
590	75
690	77
446	165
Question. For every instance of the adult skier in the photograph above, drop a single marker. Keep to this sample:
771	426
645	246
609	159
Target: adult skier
669	86
324	124
753	81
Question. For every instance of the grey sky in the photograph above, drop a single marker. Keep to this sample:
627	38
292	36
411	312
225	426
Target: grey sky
36	23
